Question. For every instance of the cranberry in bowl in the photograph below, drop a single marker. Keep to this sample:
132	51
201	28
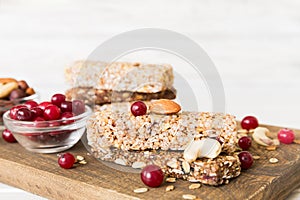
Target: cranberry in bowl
45	127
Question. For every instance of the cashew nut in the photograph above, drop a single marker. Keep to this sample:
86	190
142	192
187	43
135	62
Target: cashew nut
260	137
205	148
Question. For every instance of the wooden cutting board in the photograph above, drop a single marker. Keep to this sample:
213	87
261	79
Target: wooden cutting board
40	174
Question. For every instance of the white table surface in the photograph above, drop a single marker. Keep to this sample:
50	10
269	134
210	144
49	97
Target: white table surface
254	44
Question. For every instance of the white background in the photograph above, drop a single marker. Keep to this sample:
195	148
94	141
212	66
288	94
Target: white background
254	44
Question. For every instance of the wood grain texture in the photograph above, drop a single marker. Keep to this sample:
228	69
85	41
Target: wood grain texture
40	174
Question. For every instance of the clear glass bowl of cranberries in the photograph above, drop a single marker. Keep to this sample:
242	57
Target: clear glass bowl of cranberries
50	126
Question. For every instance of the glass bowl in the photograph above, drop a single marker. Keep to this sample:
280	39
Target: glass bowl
48	136
6	105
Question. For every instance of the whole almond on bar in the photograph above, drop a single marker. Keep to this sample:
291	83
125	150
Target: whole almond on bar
164	107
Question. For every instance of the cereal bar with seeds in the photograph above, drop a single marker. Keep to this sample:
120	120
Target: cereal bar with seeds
120	76
110	128
97	96
215	171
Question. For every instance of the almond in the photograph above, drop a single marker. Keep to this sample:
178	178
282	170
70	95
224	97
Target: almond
165	107
7	80
7	88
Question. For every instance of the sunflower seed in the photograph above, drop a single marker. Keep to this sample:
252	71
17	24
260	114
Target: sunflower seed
140	190
256	157
194	186
171	180
79	158
188	196
83	162
170	188
271	148
273	160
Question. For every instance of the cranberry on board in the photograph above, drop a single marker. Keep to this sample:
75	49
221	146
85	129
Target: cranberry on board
286	136
66	106
246	159
245	142
13	111
66	160
138	108
24	114
249	122
57	99
152	176
51	112
8	136
31	104
78	107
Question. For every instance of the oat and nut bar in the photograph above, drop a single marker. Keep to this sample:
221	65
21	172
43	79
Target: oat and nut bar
110	128
207	171
120	76
97	96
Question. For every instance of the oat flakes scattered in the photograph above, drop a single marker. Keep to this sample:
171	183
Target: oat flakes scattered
271	148
140	190
189	196
194	186
297	141
170	188
79	158
273	160
171	180
256	157
83	162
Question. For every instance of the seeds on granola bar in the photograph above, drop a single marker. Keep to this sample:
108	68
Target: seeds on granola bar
194	186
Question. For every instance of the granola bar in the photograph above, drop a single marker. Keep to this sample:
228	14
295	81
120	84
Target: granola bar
120	76
97	96
215	171
110	128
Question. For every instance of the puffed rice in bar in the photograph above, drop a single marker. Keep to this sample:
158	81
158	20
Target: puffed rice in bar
93	96
110	128
120	76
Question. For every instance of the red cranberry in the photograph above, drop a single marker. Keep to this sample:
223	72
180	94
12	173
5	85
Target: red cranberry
138	108
152	176
31	104
66	160
8	136
249	122
245	142
13	111
51	112
65	117
286	136
78	107
37	112
44	104
57	99
24	114
66	106
246	159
